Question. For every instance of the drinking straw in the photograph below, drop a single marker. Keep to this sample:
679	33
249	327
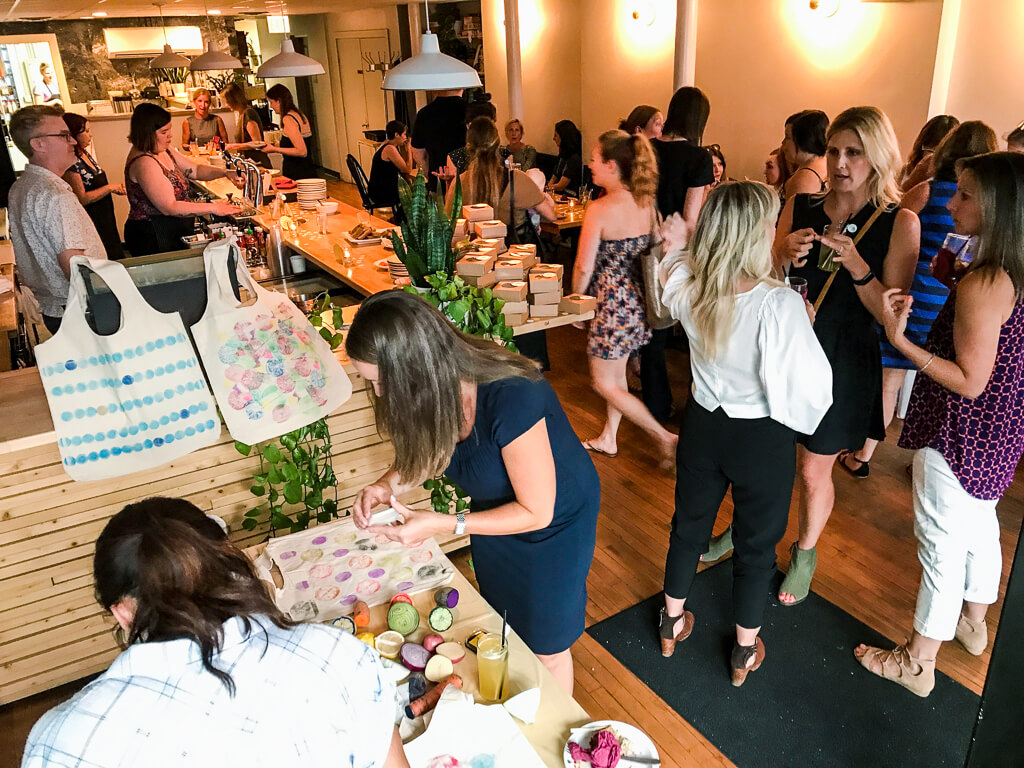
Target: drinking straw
504	619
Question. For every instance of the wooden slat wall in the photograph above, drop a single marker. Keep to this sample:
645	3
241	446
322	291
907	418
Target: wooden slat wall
51	629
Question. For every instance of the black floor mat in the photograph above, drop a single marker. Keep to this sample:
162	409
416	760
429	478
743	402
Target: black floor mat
810	704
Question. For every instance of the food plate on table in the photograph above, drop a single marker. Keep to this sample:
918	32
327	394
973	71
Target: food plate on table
635	743
382	265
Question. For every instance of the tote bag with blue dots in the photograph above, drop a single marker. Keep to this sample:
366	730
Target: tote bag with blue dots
269	368
129	401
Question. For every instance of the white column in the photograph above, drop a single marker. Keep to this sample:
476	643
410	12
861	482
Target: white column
944	51
415	35
513	60
686	43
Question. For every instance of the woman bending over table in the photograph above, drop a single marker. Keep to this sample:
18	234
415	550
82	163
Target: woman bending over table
877	249
487	419
616	232
213	673
965	421
759	377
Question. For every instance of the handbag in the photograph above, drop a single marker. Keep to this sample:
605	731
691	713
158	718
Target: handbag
658	315
270	370
129	401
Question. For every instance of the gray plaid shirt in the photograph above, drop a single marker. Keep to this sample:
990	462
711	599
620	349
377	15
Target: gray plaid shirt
45	220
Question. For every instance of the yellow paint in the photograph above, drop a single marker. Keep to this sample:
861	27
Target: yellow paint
830	42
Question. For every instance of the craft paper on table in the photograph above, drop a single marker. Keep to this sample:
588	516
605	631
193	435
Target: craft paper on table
476	735
328	568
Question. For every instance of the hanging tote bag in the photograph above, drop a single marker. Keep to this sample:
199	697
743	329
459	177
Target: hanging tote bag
269	368
658	315
129	401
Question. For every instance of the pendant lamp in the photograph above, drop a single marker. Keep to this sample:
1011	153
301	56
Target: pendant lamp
430	70
288	63
168	59
214	59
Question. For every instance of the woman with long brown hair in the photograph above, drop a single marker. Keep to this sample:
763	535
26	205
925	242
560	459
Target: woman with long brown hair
296	134
89	183
965	423
248	126
873	244
485	417
213	671
615	233
920	164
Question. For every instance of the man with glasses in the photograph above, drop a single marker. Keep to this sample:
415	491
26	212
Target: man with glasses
48	224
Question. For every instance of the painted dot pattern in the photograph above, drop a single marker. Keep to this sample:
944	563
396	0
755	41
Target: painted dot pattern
981	439
128	353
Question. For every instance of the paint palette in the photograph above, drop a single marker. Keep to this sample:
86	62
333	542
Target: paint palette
330	567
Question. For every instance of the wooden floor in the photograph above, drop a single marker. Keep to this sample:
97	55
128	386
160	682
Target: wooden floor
867	562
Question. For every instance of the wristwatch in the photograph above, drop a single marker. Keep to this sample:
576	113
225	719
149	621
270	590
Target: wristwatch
866	279
460	523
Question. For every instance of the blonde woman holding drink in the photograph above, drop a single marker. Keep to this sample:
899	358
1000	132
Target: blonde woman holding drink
759	378
872	245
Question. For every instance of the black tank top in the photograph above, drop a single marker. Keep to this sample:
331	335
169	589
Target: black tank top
383	183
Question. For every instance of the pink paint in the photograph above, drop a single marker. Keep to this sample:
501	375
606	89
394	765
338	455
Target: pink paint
320	571
303	585
327	593
367	587
360	562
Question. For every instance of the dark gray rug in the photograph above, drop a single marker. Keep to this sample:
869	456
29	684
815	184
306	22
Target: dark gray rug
810	703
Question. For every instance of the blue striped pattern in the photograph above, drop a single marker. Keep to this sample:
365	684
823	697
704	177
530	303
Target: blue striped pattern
929	294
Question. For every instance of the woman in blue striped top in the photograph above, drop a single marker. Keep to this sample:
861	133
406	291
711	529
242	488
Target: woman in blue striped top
928	200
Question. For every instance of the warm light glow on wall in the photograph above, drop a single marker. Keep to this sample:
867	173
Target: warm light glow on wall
830	42
645	29
531	24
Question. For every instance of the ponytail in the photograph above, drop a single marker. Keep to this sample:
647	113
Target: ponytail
183	575
637	164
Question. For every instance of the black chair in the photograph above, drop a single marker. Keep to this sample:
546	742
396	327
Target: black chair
361	182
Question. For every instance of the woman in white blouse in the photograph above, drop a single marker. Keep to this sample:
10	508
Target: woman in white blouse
759	377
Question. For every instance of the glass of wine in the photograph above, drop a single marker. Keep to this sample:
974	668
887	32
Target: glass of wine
799	285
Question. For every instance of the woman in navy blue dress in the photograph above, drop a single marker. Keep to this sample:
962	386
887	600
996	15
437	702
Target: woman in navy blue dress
485	417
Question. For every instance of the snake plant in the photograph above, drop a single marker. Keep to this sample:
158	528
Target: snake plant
426	243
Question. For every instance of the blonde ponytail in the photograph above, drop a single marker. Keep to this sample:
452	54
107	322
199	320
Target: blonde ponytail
638	167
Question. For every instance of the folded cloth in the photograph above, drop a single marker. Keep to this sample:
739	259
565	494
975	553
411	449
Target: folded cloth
605	751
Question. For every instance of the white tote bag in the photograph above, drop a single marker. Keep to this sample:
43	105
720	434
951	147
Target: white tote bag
269	368
129	401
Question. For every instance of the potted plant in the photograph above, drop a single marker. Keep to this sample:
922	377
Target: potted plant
426	243
176	77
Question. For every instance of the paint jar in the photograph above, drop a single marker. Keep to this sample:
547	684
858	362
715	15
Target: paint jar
298	262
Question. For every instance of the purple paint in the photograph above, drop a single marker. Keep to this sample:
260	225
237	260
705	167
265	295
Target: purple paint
404	585
303	585
319	540
376	573
345	576
288	555
340	552
349	600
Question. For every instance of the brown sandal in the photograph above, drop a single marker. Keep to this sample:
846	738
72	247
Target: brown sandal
666	625
741	655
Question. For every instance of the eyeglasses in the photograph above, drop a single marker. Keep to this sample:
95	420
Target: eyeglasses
66	135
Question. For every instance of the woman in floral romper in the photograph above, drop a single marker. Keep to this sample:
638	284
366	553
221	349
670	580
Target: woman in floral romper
615	233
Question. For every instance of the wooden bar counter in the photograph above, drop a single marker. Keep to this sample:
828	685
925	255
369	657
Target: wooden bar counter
51	629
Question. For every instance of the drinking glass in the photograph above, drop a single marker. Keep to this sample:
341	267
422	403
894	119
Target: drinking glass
492	664
944	264
799	285
826	254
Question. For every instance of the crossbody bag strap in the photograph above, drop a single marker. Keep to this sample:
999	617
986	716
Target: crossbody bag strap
856	239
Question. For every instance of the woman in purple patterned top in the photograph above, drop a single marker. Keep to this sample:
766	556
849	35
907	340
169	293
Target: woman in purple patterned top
966	421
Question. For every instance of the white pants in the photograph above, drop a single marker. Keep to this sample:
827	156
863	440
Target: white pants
957	543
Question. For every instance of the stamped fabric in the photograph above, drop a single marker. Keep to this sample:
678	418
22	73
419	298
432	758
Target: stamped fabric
620	325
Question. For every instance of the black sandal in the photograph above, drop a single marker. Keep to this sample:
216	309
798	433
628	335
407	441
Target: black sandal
860	472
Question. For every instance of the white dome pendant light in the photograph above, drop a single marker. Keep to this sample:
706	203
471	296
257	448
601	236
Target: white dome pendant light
288	63
214	59
430	70
168	59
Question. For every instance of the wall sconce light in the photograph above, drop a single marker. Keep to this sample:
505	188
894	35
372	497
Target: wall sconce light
643	12
828	8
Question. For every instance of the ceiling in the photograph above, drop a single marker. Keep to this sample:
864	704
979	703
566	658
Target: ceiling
25	10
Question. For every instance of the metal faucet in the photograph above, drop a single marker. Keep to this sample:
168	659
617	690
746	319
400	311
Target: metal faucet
253	189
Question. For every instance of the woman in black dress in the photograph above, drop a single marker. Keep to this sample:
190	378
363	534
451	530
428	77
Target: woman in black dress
876	249
568	173
487	419
90	185
296	135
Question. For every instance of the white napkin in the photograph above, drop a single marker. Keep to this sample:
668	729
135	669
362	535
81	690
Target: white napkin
523	706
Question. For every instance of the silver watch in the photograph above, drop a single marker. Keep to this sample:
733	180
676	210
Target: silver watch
460	523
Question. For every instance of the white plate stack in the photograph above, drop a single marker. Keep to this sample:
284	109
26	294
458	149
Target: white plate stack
396	268
310	192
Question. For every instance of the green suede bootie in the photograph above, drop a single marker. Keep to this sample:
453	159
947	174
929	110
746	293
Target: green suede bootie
797	584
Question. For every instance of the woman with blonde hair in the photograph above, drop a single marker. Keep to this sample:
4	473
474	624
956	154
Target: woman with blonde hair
965	421
850	244
615	234
202	126
523	154
759	378
487	419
